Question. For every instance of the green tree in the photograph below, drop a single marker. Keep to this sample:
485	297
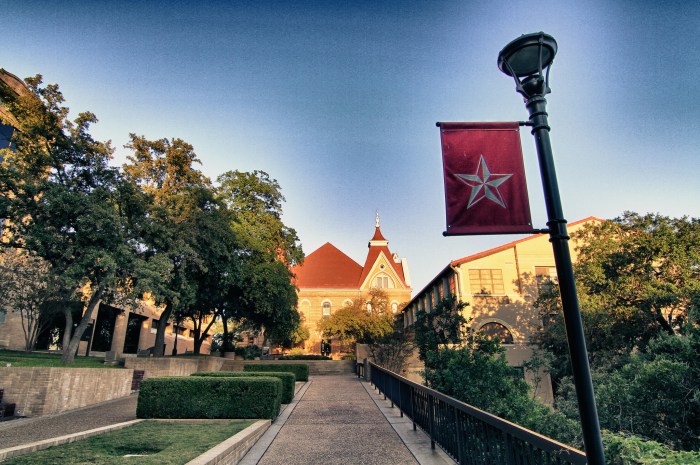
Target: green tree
262	292
364	320
181	209
639	287
66	204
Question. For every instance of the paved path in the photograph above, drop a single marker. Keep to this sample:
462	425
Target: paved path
27	430
335	420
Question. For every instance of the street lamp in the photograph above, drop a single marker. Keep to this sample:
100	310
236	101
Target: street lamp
528	60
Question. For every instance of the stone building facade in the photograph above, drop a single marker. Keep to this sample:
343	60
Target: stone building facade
500	285
329	279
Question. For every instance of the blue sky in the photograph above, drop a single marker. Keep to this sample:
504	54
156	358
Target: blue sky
338	100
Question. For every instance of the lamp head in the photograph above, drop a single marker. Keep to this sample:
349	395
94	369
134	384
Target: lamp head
526	57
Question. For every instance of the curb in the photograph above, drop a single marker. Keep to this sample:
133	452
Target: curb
231	450
46	443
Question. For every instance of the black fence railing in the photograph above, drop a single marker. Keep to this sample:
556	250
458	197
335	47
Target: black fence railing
471	436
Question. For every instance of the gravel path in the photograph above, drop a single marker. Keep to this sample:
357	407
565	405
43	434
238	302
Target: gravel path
28	430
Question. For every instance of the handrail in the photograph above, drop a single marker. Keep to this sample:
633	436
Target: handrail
469	435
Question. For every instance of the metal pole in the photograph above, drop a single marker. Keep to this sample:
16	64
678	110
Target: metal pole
558	236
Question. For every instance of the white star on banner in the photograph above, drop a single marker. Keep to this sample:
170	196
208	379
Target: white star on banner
484	184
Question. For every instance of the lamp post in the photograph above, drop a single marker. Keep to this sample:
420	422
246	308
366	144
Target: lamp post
527	57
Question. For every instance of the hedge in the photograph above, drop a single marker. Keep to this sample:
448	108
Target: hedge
286	377
300	370
304	357
209	397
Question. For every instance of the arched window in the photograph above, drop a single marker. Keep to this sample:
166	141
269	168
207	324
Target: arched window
326	309
394	307
497	331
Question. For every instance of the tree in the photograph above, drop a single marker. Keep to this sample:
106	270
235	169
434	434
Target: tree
255	202
639	287
66	204
26	285
262	293
364	320
180	200
471	367
392	350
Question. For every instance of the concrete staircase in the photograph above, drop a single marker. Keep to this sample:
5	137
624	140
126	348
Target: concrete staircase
316	367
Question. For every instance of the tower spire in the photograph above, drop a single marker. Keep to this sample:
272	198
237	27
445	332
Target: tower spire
377	219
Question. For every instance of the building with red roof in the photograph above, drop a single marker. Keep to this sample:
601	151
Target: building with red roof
328	279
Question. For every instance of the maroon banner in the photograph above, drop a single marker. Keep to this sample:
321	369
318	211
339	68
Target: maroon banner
485	188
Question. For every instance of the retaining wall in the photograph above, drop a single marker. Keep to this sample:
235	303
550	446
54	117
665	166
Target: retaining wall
43	390
156	367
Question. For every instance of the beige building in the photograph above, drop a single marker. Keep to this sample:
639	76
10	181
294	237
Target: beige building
500	285
329	280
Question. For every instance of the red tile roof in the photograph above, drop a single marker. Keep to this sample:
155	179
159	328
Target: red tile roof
327	267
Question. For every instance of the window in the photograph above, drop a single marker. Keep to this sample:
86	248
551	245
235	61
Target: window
545	276
383	281
394	307
326	309
451	284
486	282
497	331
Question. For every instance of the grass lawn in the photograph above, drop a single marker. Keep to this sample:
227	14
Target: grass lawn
35	359
149	442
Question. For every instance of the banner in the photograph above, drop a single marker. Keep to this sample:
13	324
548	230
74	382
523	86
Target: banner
485	188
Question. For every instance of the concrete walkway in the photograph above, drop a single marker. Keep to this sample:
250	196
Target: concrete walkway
28	430
332	420
337	420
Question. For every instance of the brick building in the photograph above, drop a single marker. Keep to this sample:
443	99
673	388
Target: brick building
329	279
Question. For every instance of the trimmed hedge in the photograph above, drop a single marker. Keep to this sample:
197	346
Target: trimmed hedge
300	370
287	378
304	357
209	397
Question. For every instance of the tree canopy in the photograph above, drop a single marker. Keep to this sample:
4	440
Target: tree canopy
158	225
638	279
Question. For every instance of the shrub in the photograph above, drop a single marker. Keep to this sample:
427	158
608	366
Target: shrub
304	357
300	370
249	352
631	450
287	379
209	397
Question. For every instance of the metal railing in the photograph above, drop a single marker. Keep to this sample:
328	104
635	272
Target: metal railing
471	436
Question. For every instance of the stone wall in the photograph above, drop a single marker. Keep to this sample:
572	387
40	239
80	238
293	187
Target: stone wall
43	391
156	367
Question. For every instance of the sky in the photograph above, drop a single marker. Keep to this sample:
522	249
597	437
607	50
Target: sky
338	101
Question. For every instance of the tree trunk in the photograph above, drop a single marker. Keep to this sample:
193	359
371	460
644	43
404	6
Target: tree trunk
69	352
200	335
159	347
68	331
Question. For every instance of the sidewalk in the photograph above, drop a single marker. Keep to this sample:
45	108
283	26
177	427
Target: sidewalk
28	430
340	420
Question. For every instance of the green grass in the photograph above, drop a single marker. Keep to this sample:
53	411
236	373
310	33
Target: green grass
37	359
158	442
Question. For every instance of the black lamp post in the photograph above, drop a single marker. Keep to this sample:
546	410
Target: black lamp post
527	57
